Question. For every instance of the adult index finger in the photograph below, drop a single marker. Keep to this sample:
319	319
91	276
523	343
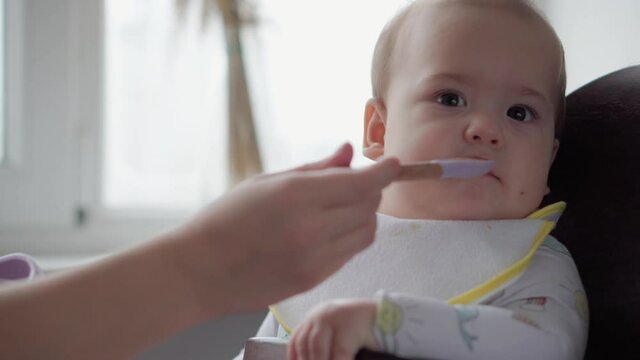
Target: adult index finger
344	186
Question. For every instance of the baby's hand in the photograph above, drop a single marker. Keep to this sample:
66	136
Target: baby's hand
335	330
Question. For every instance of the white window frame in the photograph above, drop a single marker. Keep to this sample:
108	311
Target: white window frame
13	57
59	232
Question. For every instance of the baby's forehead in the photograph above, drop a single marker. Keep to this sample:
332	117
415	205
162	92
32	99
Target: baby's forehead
428	13
425	11
521	8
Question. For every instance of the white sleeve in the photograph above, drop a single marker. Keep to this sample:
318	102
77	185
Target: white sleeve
543	315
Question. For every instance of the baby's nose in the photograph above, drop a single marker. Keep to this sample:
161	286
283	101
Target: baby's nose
484	130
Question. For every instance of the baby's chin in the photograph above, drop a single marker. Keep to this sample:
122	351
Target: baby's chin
452	211
473	202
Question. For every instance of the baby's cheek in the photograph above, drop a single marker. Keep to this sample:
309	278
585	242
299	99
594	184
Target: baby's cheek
527	201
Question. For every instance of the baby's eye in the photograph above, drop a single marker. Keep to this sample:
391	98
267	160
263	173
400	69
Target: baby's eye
451	99
521	113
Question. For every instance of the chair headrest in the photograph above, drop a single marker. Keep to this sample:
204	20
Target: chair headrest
597	172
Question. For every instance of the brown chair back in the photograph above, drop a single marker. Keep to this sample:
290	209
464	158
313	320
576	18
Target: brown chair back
597	172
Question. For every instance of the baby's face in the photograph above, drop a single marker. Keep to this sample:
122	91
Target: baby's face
470	83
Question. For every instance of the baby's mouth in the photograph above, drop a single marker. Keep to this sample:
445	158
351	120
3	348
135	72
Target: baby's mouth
493	175
490	173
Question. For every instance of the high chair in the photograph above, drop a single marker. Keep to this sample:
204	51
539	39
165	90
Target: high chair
597	172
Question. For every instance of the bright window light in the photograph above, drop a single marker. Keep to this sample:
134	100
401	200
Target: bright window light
164	108
165	131
317	56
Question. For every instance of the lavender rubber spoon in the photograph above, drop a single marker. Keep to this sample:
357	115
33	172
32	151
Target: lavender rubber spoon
446	169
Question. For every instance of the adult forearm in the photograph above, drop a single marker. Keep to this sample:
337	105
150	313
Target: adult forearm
269	238
108	310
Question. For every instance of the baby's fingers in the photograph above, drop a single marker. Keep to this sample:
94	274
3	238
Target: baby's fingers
342	349
297	349
319	342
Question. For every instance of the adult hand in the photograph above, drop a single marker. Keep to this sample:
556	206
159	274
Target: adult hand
269	238
276	235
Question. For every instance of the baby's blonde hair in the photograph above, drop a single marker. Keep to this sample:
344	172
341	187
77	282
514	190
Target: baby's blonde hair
383	55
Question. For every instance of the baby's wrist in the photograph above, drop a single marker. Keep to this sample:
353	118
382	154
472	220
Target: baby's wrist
388	320
371	341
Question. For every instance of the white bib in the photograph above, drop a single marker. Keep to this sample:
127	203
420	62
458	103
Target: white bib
457	261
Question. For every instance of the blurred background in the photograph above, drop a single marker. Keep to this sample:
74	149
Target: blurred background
119	118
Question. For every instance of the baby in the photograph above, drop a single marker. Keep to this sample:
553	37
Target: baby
466	267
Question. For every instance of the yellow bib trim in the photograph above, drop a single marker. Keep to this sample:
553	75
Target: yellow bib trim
278	317
551	211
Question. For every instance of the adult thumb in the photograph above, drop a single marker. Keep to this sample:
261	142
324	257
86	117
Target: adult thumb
341	158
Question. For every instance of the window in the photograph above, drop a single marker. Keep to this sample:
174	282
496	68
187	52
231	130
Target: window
316	58
39	180
164	131
2	92
165	105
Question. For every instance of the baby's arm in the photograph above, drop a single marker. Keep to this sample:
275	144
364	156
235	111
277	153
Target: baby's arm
335	330
420	327
541	316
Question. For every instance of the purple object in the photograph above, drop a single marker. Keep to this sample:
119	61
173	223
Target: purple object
18	267
446	169
464	168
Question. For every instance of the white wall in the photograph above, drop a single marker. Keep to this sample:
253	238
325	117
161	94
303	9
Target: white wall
599	36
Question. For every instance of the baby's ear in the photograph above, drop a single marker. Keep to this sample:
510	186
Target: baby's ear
375	126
